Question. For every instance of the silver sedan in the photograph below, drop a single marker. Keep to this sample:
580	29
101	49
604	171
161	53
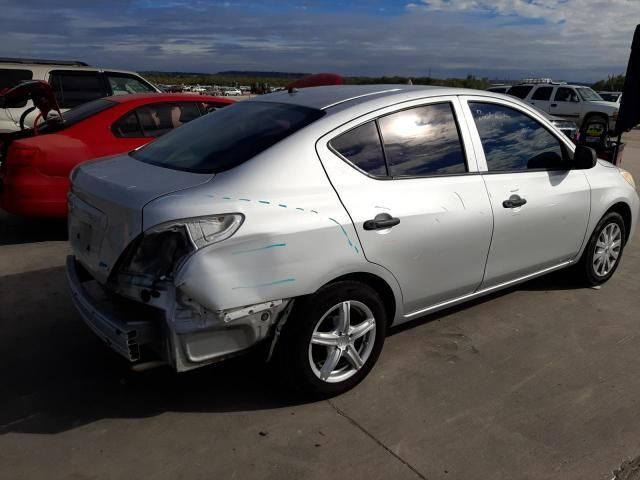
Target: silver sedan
308	222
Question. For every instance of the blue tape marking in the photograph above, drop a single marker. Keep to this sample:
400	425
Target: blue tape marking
226	198
301	209
259	249
314	211
277	282
282	205
244	199
209	195
264	201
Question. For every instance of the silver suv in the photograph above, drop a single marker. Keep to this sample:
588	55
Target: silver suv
572	102
73	83
311	221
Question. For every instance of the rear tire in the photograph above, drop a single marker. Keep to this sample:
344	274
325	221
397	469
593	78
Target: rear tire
332	339
602	255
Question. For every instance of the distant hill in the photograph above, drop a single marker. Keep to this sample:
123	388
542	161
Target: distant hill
243	73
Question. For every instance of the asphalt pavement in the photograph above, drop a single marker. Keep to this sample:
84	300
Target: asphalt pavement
539	381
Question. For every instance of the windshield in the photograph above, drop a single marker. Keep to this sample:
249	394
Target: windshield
77	114
588	95
226	138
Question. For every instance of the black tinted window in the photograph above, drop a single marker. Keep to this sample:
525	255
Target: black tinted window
514	141
75	88
10	78
520	91
564	94
542	93
422	141
361	146
225	138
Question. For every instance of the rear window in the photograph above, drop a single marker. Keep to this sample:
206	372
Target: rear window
228	137
77	114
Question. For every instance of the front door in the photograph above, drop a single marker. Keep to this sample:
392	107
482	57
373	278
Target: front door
566	104
417	206
540	208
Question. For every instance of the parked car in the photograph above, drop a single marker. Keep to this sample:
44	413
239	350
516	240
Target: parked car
73	83
614	97
35	168
572	102
231	91
310	222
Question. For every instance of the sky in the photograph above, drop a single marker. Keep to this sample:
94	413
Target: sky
576	40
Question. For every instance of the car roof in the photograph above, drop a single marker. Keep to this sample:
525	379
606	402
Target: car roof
167	97
337	97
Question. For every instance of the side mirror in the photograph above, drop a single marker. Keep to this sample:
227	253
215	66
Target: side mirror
584	158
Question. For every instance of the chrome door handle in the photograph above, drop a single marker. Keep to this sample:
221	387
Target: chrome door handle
380	222
514	202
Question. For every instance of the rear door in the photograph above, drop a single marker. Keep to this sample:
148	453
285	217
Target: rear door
10	117
541	98
540	208
413	193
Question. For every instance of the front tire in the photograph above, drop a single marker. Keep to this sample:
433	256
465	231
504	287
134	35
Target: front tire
604	250
333	339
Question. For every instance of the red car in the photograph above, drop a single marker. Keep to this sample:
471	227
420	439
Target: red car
35	163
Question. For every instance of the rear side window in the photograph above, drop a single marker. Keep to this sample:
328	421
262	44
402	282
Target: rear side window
542	93
362	147
10	78
127	127
228	137
513	141
123	84
422	141
520	91
73	88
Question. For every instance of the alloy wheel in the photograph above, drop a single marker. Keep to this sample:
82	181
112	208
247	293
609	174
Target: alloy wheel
342	341
608	248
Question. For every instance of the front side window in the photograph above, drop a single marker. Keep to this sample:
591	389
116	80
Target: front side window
564	94
73	88
362	147
542	93
422	141
513	141
228	137
520	91
123	84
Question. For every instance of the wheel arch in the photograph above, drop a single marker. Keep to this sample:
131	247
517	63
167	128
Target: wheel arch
624	210
380	286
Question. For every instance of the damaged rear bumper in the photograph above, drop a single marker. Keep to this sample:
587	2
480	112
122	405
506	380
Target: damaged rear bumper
185	336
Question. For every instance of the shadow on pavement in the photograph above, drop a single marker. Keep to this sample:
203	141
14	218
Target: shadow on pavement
16	230
57	375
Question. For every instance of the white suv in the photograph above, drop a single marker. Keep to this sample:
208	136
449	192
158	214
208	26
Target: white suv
573	102
73	83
